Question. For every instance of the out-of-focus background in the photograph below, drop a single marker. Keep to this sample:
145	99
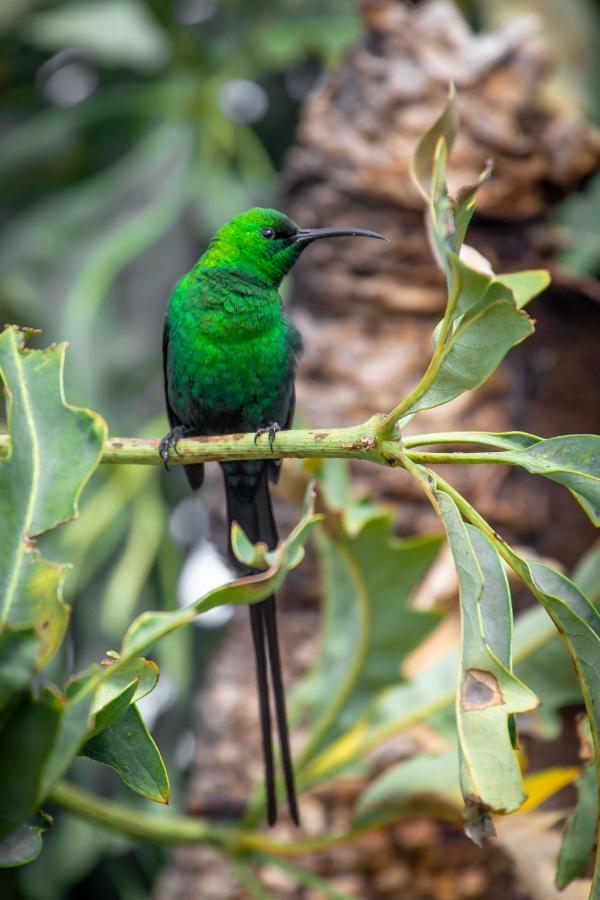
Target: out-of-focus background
130	130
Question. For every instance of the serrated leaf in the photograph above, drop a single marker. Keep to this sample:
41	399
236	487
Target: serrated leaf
488	691
580	834
37	495
127	747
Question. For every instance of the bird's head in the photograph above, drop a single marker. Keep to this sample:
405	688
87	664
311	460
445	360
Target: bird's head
266	243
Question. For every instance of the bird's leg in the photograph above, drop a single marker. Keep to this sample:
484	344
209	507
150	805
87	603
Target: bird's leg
170	442
271	430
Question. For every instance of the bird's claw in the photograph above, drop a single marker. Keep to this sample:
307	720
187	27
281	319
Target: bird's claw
169	442
271	430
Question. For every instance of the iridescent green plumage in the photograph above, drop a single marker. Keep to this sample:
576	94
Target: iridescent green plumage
230	356
231	349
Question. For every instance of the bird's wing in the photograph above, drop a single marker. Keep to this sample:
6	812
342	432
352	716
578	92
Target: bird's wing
289	420
194	473
173	419
288	407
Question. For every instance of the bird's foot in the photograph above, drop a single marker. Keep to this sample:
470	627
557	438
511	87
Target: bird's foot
169	442
271	430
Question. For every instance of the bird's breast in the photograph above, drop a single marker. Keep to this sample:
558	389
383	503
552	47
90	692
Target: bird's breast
228	379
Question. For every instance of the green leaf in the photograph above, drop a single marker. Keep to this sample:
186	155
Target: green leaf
151	626
24	844
464	206
335	483
525	285
26	743
572	460
476	285
545	667
18	655
404	787
71	732
488	690
483	319
121	684
445	128
38	742
37	495
114	708
430	696
587	574
475	348
580	834
127	747
114	32
368	624
252	555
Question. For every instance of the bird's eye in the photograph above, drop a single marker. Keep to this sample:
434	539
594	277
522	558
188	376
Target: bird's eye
268	233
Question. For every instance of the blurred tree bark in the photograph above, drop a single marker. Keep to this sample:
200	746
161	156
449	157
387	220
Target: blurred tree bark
367	313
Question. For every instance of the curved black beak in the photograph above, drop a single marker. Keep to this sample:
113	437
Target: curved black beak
306	235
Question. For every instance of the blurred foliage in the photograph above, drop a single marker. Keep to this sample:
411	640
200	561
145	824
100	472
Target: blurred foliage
120	152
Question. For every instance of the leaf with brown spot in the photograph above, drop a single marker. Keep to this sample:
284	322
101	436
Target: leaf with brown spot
480	690
488	693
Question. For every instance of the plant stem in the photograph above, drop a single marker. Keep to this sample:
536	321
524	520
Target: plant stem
483	438
458	457
357	442
385	429
173	829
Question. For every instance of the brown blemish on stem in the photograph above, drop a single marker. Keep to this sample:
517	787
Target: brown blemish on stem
320	436
368	442
480	690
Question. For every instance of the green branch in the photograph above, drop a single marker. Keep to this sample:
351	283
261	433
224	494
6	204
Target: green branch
357	442
169	829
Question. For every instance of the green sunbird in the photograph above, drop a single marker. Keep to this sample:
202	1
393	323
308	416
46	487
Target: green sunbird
230	354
